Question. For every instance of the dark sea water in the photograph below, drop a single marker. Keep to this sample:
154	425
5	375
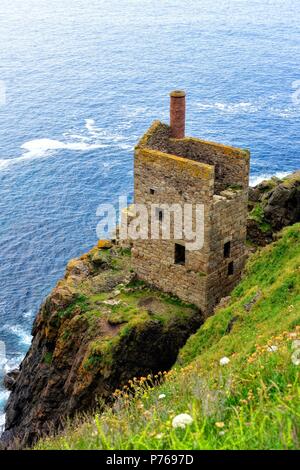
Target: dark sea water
84	79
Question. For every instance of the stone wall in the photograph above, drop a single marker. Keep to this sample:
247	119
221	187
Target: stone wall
154	263
179	171
167	179
228	226
231	164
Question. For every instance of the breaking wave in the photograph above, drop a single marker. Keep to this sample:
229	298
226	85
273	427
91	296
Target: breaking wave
256	179
4	394
92	138
17	330
2	415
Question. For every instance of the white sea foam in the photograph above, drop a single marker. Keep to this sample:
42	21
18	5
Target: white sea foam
256	179
4	394
93	138
17	330
3	362
4	164
134	111
90	126
102	134
267	105
11	362
2	422
286	113
27	314
126	147
243	106
40	147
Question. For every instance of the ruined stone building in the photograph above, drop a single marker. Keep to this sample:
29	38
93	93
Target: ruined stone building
170	168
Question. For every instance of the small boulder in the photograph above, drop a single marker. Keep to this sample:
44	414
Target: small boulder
111	302
77	268
283	206
104	244
100	261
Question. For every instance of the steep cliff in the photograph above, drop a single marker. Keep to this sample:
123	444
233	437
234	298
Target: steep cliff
97	329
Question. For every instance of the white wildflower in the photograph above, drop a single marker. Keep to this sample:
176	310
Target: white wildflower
161	396
180	421
111	302
272	348
296	344
296	357
225	360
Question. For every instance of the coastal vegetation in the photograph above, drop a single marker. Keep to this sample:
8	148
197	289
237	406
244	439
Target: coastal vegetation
237	377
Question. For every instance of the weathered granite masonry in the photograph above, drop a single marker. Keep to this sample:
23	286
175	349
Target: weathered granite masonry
189	170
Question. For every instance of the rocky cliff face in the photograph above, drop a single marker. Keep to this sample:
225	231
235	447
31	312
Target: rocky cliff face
97	329
100	327
273	204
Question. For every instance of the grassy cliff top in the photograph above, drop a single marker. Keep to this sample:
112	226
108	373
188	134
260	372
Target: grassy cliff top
252	401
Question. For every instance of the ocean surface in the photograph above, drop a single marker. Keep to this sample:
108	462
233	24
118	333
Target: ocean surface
84	79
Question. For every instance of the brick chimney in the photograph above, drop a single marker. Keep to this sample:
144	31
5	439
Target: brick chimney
177	114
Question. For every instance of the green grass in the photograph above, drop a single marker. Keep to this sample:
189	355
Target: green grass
291	179
104	308
100	355
253	402
80	304
48	358
129	307
257	214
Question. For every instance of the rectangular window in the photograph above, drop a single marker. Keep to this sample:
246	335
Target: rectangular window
230	268
159	214
152	191
179	254
227	249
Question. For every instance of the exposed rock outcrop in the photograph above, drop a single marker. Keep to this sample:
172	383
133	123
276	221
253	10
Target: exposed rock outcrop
273	204
97	329
10	379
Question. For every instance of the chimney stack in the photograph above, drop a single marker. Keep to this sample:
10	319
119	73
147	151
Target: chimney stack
177	114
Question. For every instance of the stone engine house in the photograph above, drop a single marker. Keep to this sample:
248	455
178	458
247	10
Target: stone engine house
170	168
